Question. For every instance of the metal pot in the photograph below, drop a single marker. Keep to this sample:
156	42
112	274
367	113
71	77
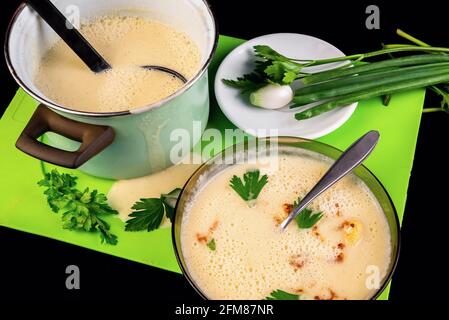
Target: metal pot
116	145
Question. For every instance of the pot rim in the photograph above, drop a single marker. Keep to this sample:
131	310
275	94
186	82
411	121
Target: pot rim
143	109
388	277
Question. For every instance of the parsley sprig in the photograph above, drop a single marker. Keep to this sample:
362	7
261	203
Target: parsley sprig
270	67
247	83
282	295
306	218
81	209
251	186
148	213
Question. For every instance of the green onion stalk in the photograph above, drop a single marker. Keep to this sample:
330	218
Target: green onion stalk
269	85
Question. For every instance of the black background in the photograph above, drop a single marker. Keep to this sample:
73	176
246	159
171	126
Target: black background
33	267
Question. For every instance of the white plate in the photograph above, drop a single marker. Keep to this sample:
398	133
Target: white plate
257	121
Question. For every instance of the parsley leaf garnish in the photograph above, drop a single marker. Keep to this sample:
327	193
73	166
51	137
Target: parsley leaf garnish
269	53
148	213
81	209
251	186
212	245
282	295
246	83
282	72
307	218
271	67
58	185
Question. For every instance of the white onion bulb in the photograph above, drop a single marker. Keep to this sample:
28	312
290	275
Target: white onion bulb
272	96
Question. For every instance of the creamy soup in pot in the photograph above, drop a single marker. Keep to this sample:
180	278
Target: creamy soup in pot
126	43
234	251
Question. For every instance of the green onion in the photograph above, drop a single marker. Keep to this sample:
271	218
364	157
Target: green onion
362	56
397	62
411	38
349	85
394	45
372	93
352	80
370	75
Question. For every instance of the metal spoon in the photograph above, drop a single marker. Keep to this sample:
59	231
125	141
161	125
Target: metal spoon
75	40
350	159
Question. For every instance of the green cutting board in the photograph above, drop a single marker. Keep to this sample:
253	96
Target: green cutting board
23	206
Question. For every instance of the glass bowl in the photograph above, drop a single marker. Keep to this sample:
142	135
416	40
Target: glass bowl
284	145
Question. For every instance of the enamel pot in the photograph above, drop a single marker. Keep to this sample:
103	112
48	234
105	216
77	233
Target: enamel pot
116	145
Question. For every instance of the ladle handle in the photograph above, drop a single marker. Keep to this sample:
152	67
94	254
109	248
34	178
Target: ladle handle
71	36
350	159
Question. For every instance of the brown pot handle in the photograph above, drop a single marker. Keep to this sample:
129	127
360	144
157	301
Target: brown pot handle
93	138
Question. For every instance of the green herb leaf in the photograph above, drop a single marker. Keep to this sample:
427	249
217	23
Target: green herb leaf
289	77
306	218
81	209
282	72
105	235
58	185
269	53
211	245
273	67
147	215
275	72
278	68
251	186
247	83
282	295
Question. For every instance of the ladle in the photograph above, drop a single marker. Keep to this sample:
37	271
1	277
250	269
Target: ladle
349	160
75	40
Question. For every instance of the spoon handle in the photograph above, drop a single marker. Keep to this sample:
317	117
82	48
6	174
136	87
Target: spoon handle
349	160
58	22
